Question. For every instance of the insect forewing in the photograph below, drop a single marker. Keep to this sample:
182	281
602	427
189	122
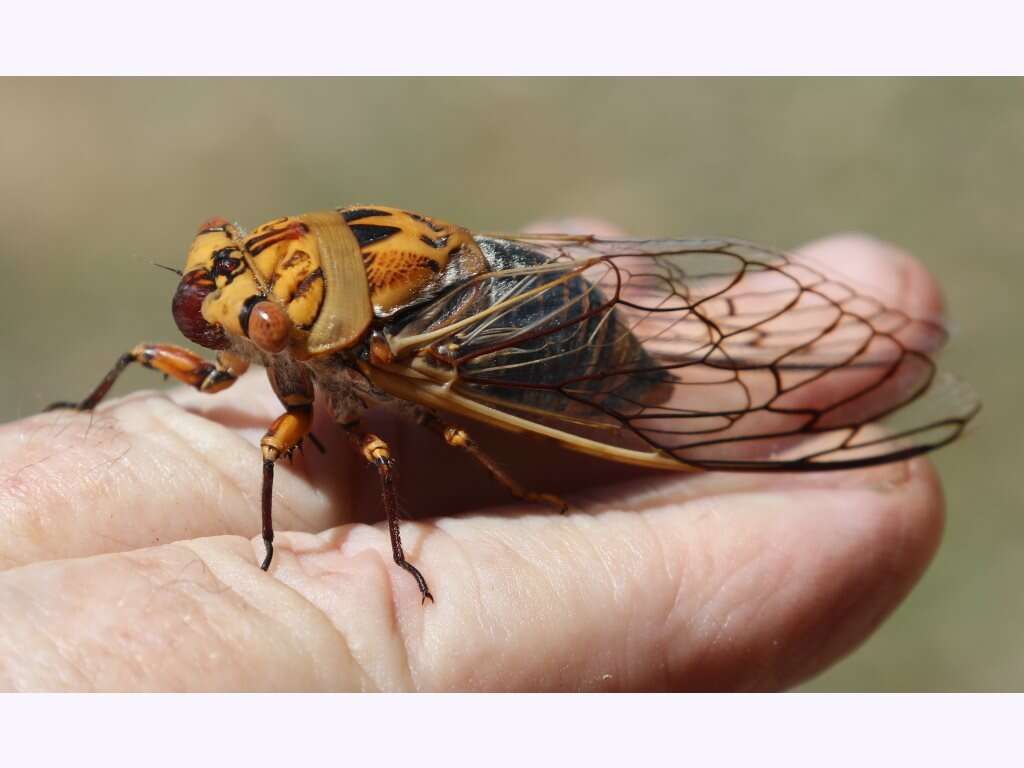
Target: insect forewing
715	354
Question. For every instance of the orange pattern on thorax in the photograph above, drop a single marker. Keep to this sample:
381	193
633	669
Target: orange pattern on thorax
406	254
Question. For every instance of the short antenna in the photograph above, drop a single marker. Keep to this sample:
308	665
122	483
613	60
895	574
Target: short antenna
178	272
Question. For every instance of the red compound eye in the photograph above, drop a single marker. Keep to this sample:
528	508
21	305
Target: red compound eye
269	327
187	308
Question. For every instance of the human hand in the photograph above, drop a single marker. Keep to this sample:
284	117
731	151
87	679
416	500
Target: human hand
128	563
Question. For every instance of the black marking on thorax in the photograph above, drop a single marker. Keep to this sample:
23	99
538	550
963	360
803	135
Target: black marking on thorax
441	242
362	213
429	222
372	233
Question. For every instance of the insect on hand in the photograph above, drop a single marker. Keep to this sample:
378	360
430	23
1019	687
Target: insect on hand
673	354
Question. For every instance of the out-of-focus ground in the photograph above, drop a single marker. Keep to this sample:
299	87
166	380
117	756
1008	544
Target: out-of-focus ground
99	178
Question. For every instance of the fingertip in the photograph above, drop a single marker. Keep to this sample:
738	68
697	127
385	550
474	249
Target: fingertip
775	578
918	521
859	564
881	269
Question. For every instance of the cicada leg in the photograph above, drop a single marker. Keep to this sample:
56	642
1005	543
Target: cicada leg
459	438
294	389
176	362
376	452
283	437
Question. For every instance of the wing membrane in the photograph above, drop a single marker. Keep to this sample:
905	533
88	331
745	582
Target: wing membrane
706	353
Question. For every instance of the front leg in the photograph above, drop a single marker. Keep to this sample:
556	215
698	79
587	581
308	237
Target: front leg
294	388
177	362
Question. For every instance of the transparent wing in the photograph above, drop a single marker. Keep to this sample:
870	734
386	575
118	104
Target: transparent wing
719	354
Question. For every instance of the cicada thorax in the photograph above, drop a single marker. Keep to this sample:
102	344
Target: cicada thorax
410	258
313	284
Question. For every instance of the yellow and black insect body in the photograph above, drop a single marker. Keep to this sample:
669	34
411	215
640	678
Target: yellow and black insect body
674	354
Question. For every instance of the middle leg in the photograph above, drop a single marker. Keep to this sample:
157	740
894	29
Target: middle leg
376	452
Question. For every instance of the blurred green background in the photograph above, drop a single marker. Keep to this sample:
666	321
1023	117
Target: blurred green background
99	178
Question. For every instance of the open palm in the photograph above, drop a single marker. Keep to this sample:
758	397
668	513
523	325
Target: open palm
129	563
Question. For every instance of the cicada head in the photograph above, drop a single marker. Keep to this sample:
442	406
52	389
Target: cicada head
235	289
214	261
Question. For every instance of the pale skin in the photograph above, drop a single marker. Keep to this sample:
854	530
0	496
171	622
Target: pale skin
130	551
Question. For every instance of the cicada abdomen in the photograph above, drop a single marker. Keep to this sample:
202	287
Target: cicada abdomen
544	339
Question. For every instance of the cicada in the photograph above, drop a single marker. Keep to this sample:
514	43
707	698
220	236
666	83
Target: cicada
686	355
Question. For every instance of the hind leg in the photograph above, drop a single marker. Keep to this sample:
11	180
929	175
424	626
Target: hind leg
459	438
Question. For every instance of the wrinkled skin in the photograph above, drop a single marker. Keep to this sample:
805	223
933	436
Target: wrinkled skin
129	549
